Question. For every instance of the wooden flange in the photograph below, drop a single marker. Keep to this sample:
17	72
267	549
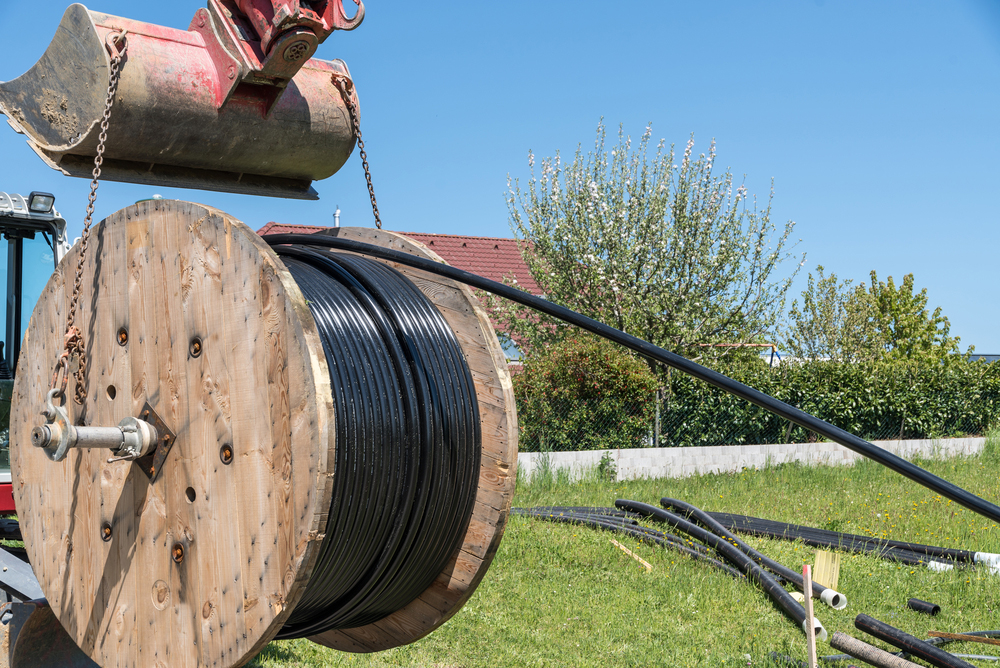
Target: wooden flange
187	309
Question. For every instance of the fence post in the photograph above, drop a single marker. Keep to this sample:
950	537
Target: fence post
656	428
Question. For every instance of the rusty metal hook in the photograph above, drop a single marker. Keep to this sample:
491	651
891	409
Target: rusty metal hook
113	39
340	20
60	375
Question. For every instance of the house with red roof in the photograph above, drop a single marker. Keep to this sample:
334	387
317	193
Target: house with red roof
490	257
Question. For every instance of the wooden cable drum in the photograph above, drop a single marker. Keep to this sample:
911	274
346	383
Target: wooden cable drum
186	313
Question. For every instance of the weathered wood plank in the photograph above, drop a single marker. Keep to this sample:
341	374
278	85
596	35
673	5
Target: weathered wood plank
169	272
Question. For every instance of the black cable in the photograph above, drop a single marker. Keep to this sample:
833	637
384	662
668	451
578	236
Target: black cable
648	536
741	561
834	599
408	441
908	553
612	522
714	378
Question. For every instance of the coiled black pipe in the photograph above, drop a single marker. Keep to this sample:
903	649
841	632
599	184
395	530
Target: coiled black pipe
908	643
408	441
640	533
583	516
908	553
714	378
834	599
737	558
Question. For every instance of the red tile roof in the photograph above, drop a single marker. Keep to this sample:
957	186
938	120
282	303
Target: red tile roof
491	257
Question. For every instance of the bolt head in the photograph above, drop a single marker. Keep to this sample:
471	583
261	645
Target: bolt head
296	51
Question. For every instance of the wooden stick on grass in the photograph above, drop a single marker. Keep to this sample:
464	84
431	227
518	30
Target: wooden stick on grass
649	567
962	636
810	629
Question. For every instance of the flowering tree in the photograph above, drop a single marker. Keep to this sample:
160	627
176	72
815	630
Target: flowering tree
660	248
881	321
835	321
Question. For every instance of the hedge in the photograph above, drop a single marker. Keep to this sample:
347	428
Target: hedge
872	400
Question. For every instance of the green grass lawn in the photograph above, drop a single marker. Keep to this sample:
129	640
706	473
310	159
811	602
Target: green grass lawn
559	595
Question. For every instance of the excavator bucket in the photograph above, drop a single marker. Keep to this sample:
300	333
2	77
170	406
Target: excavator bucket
203	108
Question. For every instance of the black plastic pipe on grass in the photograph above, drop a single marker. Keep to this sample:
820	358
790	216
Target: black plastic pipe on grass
884	549
867	653
613	523
911	644
832	598
831	658
641	536
714	378
735	556
917	605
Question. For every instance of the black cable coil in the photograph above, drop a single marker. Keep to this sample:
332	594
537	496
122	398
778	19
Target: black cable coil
408	441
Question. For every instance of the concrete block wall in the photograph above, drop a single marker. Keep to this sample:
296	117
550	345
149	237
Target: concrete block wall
682	462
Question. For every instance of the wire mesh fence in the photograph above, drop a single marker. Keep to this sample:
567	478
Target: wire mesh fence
712	417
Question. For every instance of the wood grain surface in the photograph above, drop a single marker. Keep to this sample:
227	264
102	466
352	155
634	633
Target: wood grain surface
168	272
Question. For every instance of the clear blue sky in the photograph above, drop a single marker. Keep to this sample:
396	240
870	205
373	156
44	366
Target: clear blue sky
878	121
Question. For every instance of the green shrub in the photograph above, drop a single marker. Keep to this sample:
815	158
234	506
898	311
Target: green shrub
584	393
872	400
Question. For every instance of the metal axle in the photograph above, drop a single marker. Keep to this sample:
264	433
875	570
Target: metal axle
131	439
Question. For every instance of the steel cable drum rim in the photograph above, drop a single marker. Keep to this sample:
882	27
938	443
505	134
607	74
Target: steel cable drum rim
455	428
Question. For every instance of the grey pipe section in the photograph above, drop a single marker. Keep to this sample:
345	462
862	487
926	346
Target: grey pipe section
870	655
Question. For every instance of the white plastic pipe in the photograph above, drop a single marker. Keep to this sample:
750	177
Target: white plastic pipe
990	560
834	599
818	629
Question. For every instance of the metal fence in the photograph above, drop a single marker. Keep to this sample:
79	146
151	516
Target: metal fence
724	420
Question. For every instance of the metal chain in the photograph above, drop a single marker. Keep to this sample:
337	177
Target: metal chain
74	338
346	87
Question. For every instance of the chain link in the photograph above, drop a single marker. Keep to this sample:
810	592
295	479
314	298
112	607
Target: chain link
74	338
346	87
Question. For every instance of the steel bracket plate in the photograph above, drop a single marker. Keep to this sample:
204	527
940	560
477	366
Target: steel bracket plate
153	462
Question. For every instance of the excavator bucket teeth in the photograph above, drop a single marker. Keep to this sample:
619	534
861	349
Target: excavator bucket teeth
187	113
